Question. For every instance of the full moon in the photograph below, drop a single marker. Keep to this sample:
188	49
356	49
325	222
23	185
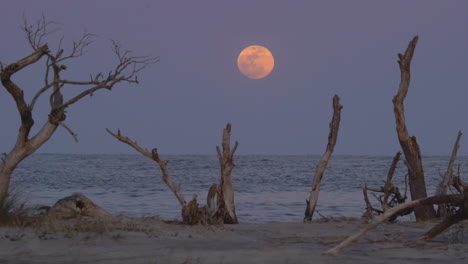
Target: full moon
255	62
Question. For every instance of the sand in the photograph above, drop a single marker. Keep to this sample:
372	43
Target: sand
149	240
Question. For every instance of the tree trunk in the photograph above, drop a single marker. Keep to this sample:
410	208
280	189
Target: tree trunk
19	153
226	208
332	137
408	144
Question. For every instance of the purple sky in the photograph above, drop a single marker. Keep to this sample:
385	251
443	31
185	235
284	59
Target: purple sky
321	48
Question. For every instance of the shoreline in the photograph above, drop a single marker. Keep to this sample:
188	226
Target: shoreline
151	240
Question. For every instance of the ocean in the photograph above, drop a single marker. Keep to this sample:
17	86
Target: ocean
268	188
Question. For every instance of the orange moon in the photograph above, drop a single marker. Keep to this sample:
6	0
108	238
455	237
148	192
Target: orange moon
255	62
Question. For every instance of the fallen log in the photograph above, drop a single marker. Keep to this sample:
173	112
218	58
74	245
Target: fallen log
458	200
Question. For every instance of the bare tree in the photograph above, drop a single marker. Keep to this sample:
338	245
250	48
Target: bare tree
125	71
223	212
408	144
322	165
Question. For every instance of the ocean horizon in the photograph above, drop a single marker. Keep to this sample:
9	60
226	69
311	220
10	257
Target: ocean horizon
268	188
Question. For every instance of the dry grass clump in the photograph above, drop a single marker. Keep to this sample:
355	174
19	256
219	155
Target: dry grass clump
12	209
45	226
13	214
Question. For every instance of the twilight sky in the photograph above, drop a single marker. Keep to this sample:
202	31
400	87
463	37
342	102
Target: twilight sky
321	48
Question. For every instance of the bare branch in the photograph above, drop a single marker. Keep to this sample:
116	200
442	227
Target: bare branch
443	186
39	93
455	199
125	71
322	165
78	47
369	209
17	93
35	34
46	77
154	156
388	184
75	136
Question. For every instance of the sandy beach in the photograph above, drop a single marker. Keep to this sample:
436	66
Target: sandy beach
149	240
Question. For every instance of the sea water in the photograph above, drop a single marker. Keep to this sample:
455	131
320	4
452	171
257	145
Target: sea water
268	188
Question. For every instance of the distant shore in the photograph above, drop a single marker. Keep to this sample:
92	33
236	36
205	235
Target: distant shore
150	240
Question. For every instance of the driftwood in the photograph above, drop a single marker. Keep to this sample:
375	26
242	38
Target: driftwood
408	144
369	213
226	209
221	212
389	190
443	186
74	206
322	165
458	200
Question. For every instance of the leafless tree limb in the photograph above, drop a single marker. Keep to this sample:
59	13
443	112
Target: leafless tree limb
73	134
453	199
36	33
176	189
369	209
443	186
322	165
388	187
389	191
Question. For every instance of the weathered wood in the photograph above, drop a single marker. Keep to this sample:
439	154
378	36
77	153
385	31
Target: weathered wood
322	165
443	186
176	189
226	206
75	206
408	144
221	212
388	187
450	220
453	199
388	190
369	213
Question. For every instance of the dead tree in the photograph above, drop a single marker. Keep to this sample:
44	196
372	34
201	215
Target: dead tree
448	177
322	165
408	144
388	191
460	200
221	212
125	71
226	208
